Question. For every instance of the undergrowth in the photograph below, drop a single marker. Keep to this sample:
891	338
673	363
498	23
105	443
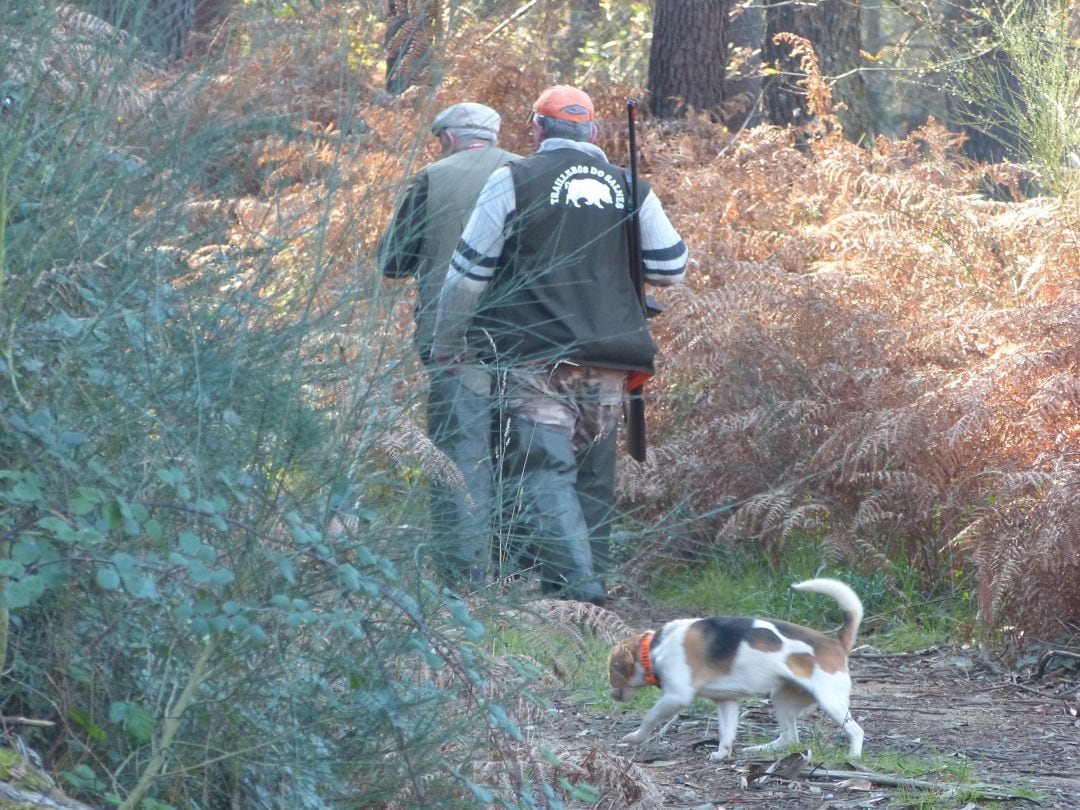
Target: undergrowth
212	460
899	614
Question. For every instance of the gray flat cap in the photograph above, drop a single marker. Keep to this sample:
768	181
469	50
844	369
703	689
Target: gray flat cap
467	115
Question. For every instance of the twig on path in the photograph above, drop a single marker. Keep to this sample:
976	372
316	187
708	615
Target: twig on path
883	676
1051	654
870	656
1030	689
984	790
6	720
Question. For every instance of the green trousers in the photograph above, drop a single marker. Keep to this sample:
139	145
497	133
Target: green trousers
459	424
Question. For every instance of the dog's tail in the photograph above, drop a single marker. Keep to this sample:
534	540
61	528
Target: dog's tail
849	603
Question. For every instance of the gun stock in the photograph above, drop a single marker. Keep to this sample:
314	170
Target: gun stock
635	413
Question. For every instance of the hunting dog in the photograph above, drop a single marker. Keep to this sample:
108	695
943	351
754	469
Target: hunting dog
727	658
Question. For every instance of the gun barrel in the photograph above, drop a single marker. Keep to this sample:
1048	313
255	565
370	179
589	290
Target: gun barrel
635	409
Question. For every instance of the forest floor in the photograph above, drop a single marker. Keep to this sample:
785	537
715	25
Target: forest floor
980	737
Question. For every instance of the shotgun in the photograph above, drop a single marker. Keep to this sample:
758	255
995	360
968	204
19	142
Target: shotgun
635	412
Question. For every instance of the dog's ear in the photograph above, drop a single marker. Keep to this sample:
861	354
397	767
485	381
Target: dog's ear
616	666
622	660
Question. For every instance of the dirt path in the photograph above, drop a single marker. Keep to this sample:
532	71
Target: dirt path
940	708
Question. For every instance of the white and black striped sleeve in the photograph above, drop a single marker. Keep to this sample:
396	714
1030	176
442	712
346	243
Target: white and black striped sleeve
662	249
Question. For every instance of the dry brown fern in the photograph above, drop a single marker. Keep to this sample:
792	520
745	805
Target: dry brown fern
818	95
559	633
69	55
621	782
570	614
863	334
896	407
412	29
544	768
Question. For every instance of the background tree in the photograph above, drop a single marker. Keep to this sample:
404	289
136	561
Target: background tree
412	29
162	26
1010	77
970	28
688	57
583	19
742	83
833	27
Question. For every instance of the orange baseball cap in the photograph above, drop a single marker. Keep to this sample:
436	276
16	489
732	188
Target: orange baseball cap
565	102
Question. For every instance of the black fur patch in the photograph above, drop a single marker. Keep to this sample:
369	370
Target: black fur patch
723	634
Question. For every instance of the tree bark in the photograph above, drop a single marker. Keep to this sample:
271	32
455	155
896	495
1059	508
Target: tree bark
743	89
162	26
688	57
833	28
412	28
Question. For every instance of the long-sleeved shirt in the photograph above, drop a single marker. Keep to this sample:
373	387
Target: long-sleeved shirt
477	256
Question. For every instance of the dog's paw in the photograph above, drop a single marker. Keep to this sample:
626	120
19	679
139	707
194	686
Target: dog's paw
721	755
635	737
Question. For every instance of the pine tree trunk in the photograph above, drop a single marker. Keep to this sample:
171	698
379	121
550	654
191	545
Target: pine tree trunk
833	28
688	57
161	25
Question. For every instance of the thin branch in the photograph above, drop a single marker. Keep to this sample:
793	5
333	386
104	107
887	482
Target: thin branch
174	715
507	21
984	791
1051	654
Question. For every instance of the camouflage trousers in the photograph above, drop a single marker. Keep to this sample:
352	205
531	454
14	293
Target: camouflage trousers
560	437
582	401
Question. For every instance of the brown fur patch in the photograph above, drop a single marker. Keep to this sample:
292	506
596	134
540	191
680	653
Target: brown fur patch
802	664
763	639
833	658
696	646
830	653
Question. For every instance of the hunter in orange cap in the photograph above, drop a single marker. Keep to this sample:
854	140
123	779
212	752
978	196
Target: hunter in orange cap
539	287
565	102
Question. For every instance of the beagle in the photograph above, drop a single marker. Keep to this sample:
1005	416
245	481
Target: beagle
726	658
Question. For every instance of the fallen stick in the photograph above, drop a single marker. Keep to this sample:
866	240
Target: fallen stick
984	790
1053	654
6	720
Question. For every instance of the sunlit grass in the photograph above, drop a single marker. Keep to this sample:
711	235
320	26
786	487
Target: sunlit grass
898	616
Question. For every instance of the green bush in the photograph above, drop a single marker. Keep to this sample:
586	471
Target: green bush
207	561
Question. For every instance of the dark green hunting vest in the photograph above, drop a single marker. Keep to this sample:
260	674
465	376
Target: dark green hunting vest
562	290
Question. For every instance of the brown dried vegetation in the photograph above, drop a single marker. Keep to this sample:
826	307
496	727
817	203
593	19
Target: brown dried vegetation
868	350
874	353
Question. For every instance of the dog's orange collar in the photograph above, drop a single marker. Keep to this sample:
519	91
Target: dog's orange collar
646	661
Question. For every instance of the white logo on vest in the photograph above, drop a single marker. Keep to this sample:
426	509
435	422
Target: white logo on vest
585	186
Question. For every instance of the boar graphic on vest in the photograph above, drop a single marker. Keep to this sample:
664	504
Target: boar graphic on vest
588	191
